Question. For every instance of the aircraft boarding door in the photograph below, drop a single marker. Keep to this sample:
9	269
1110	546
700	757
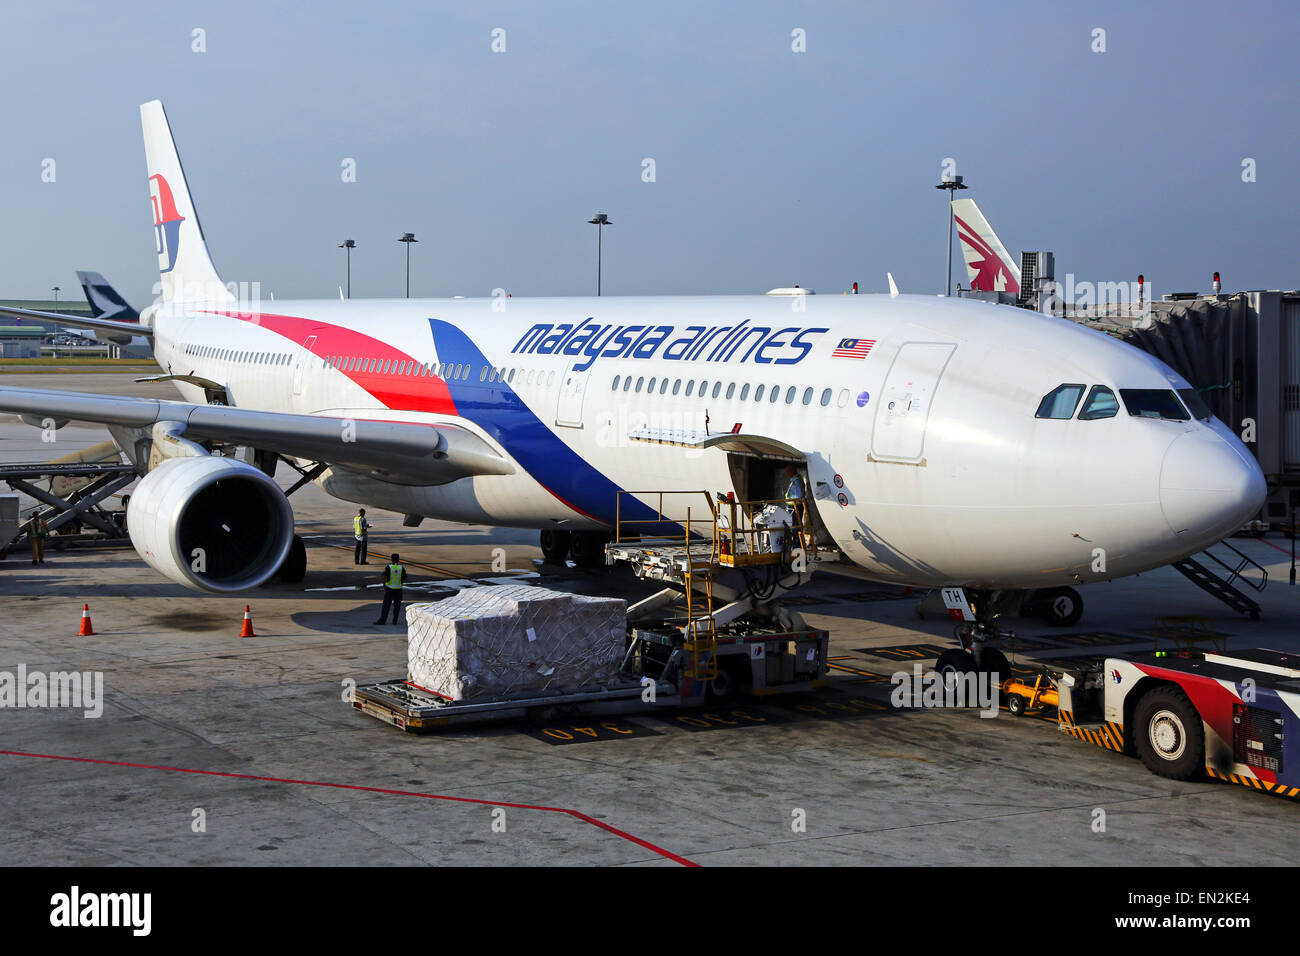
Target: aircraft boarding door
904	406
573	388
302	364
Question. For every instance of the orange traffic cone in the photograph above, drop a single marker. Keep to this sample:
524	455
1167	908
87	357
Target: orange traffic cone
248	624
86	629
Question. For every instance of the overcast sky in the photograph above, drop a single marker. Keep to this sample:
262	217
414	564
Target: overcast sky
771	167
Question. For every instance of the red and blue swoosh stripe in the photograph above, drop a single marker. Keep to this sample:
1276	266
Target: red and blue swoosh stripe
499	411
493	406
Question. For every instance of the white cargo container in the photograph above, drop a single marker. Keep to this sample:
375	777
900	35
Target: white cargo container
512	639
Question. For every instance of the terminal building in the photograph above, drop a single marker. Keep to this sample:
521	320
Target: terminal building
21	341
30	339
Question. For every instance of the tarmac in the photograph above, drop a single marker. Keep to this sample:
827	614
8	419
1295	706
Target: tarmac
217	750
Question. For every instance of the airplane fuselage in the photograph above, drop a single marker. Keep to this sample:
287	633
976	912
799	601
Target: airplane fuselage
915	418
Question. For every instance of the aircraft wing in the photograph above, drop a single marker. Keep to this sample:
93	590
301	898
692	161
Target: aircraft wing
79	321
401	452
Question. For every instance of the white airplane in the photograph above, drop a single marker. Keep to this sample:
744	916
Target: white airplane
988	265
945	441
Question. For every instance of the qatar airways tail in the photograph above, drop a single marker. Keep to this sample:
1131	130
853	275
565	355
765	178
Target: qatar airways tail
988	265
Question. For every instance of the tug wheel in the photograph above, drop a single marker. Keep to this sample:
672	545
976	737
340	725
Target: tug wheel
1170	737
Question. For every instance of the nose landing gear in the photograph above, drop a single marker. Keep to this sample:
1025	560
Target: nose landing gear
980	637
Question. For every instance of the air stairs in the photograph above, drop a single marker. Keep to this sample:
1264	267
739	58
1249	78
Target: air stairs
1201	570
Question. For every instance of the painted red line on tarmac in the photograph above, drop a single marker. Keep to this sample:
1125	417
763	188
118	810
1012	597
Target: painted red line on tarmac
576	814
1272	545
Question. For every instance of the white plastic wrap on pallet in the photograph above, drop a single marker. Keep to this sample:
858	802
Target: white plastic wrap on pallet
504	640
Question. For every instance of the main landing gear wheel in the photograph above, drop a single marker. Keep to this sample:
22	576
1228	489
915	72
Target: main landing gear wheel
588	548
1063	607
294	568
555	546
1170	738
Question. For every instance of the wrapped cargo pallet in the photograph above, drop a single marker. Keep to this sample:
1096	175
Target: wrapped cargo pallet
498	641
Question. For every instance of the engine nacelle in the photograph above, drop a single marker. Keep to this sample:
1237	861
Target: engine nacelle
113	338
214	524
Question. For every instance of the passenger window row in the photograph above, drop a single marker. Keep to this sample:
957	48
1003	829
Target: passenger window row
701	389
235	355
450	371
352	363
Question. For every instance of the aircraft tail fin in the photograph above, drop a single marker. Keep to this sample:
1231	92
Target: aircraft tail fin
105	301
988	265
184	264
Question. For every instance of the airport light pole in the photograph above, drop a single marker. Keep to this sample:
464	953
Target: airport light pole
56	290
349	245
408	238
600	221
952	185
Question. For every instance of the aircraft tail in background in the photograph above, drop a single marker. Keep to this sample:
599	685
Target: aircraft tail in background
105	301
988	265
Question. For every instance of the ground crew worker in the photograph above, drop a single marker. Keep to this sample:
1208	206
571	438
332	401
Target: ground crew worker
794	487
394	577
37	529
361	531
794	494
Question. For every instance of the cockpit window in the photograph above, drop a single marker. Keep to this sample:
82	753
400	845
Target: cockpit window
1060	402
1195	404
1101	403
1153	403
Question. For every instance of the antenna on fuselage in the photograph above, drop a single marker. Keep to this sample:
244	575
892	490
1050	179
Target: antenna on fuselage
893	288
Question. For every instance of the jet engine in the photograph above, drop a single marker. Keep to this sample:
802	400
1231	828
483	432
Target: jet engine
213	524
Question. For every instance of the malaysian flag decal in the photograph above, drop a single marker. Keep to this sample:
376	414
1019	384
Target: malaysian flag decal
853	348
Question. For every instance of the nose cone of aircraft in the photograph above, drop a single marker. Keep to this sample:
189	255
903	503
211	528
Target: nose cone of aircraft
1208	487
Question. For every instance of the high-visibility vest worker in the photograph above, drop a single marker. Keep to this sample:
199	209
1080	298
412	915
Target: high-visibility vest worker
394	578
794	494
37	529
794	489
360	531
